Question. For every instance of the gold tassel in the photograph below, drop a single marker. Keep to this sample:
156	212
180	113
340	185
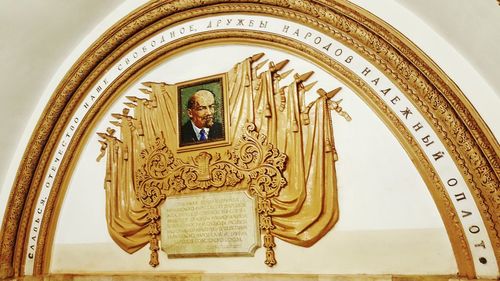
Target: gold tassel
295	125
269	241
270	258
153	259
328	146
268	111
153	241
125	152
140	128
282	99
305	118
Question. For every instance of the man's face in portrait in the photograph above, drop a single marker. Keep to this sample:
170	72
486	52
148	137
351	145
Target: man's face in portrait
201	108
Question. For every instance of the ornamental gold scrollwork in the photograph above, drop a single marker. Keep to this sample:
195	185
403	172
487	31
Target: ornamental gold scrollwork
272	129
253	163
109	47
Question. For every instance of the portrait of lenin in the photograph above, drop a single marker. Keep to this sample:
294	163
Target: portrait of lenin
202	113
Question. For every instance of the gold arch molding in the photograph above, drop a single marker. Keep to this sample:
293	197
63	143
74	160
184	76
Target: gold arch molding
466	139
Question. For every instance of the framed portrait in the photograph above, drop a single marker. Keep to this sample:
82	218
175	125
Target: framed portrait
202	113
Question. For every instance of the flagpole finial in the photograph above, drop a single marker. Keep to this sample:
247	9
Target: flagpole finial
303	77
278	66
256	57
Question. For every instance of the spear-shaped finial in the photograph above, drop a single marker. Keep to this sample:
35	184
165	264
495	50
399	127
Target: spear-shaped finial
146	91
124	113
283	75
321	92
334	105
309	86
330	94
256	57
303	77
109	132
132	98
102	135
333	92
261	64
277	67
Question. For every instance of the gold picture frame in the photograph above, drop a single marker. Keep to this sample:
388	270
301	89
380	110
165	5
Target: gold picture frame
215	113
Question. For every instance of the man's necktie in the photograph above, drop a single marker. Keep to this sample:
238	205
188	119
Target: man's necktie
203	135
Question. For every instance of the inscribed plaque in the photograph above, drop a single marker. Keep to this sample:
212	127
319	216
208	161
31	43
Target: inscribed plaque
209	224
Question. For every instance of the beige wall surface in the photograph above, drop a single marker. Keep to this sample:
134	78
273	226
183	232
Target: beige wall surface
388	223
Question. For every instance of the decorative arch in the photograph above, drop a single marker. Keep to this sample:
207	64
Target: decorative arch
467	139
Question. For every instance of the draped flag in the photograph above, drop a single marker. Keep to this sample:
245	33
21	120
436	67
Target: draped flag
293	180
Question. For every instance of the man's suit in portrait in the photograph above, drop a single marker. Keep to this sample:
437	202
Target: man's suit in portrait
188	134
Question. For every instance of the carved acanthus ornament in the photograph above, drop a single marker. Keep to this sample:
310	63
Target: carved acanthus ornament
277	147
253	161
416	75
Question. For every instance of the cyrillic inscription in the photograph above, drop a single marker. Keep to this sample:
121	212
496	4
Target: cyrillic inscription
209	224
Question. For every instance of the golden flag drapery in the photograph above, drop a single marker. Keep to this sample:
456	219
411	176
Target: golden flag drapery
307	208
303	211
127	218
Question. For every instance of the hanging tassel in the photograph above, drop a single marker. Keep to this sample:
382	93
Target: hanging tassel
282	99
305	118
125	152
269	241
269	245
268	111
270	258
328	146
153	258
295	127
140	128
154	230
